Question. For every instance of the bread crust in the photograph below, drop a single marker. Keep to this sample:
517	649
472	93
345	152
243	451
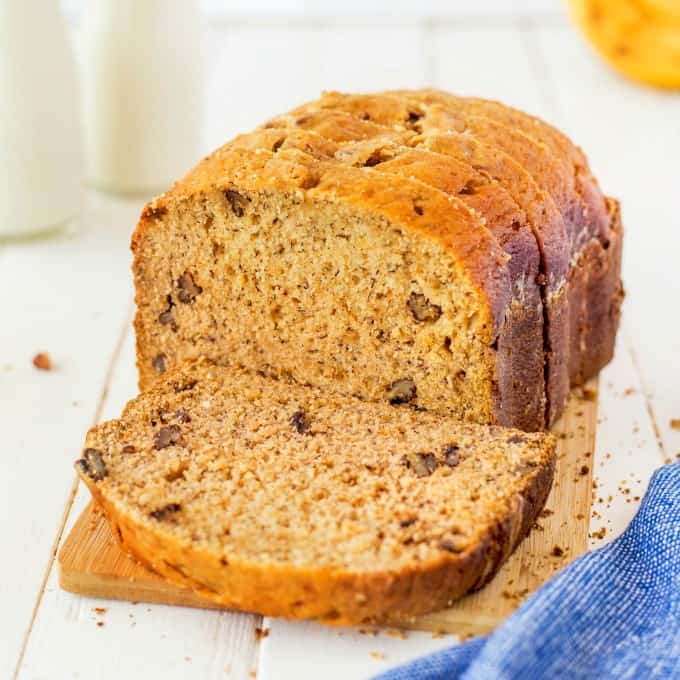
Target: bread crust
604	295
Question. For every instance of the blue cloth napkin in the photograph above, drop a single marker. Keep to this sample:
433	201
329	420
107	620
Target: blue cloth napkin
612	614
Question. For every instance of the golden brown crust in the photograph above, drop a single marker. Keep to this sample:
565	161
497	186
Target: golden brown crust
604	295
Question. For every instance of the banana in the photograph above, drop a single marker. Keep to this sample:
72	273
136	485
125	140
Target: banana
639	38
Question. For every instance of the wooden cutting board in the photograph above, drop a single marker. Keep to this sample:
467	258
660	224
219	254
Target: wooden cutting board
91	563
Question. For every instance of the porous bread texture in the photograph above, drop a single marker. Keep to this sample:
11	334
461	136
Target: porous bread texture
320	284
293	501
304	289
482	195
516	177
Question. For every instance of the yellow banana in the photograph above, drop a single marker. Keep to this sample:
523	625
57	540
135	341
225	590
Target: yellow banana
639	38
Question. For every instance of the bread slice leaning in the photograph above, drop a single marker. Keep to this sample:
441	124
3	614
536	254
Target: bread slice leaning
267	496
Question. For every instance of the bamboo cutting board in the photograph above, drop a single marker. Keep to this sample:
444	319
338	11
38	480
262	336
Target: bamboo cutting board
91	563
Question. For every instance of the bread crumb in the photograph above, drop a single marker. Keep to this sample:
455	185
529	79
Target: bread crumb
675	423
599	534
100	610
396	633
439	634
368	631
377	655
42	361
517	595
100	624
261	633
628	391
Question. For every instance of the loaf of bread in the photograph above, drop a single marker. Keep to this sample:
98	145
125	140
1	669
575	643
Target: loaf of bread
410	247
265	495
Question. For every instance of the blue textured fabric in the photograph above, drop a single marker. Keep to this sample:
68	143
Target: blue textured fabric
612	614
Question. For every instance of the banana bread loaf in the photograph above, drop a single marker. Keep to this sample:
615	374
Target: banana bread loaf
293	501
409	247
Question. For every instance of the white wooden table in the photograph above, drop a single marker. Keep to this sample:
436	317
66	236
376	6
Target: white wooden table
72	297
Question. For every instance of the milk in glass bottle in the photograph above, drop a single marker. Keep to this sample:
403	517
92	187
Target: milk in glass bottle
40	136
141	76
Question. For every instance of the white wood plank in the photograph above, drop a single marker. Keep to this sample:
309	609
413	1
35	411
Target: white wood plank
632	137
256	74
488	61
69	297
371	59
626	451
389	9
159	641
305	650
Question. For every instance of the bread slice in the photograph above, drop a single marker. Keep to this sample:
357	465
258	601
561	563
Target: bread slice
347	278
292	501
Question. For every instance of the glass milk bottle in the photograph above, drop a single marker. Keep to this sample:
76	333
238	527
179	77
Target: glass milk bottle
142	88
40	143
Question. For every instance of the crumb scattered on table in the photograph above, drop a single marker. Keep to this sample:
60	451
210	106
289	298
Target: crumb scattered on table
675	423
439	634
42	361
377	655
261	633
